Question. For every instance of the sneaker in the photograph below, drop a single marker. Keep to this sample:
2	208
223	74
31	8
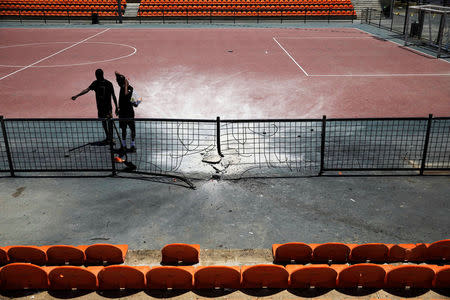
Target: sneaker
132	149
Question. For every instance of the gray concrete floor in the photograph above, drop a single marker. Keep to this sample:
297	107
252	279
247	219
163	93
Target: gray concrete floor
149	212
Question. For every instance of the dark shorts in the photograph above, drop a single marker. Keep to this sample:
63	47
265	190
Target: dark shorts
104	114
124	123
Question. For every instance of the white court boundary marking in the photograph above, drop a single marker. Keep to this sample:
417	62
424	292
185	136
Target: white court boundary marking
357	75
51	55
71	65
290	56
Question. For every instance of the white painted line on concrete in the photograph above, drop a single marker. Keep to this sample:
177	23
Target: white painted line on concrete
378	75
290	56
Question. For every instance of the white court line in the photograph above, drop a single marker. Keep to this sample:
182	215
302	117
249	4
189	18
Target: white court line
323	37
290	56
379	75
71	46
412	49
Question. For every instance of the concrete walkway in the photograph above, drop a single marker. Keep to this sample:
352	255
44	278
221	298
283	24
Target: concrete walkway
149	212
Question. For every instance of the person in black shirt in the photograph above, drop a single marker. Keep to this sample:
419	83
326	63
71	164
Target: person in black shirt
126	111
104	90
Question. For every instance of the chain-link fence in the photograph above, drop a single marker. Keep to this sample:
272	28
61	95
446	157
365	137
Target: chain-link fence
228	148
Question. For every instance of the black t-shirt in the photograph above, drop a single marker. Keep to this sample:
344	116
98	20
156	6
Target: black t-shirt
125	107
103	92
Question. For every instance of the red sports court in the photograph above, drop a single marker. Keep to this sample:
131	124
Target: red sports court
227	72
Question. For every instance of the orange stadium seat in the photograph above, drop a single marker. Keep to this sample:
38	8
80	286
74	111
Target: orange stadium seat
63	254
30	254
334	252
373	252
407	252
100	253
298	252
442	278
439	250
211	277
178	252
319	276
264	276
73	277
414	276
118	277
362	275
169	277
18	276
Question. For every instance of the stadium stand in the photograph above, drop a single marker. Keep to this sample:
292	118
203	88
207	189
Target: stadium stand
19	275
60	8
246	8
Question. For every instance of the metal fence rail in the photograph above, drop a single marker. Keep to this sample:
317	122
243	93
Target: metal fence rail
239	148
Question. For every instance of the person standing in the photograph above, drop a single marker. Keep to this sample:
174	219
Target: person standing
126	111
104	90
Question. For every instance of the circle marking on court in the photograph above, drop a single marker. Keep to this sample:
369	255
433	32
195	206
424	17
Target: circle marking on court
134	50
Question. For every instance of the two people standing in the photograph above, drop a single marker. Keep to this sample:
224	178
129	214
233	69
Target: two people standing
104	91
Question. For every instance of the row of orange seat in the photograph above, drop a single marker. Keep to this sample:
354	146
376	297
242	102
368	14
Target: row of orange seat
245	7
28	276
373	252
91	254
58	13
256	2
64	254
294	252
249	13
56	7
65	2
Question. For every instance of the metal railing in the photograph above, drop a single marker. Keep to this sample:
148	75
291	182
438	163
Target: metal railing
239	148
46	14
185	12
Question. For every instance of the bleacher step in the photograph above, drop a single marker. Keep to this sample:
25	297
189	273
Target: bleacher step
132	9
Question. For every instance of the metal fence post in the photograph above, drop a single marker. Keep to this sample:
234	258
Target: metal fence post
111	144
322	145
8	151
392	21
405	24
219	150
379	22
425	146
